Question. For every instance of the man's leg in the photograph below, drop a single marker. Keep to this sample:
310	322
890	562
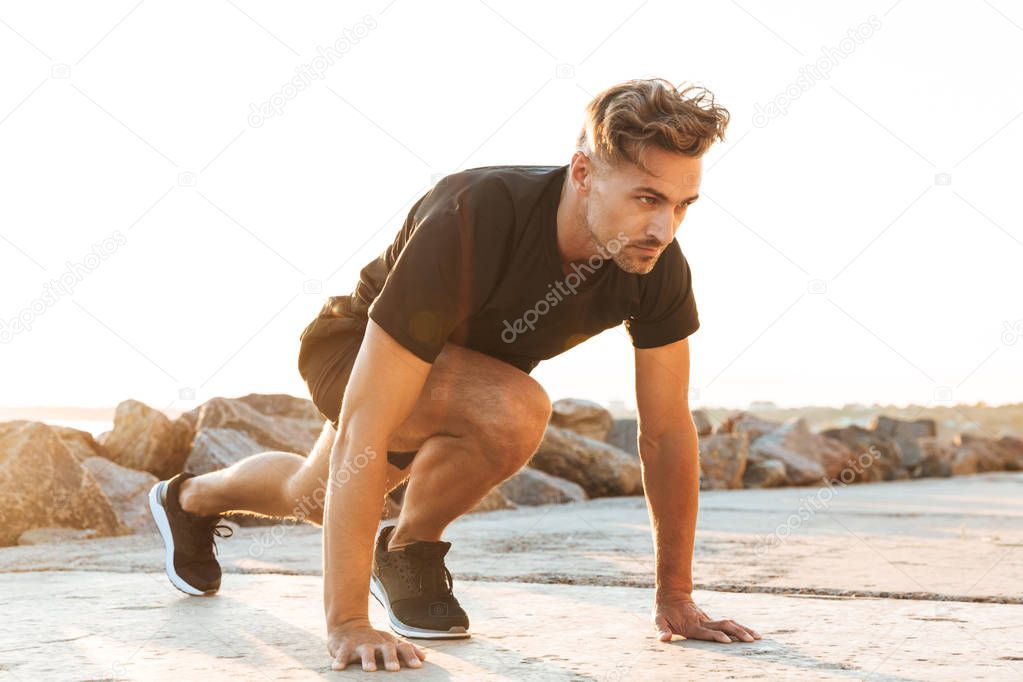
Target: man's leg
258	483
476	422
493	418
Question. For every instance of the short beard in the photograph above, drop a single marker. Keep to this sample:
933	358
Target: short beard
637	266
621	257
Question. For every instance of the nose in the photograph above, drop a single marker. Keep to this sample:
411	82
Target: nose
659	232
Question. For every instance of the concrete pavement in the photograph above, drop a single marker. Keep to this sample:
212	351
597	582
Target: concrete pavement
903	580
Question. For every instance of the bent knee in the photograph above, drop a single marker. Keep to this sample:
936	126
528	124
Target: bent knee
515	429
526	399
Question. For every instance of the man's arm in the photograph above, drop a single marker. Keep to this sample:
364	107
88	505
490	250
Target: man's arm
669	452
382	391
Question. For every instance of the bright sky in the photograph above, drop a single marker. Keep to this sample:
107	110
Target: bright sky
861	242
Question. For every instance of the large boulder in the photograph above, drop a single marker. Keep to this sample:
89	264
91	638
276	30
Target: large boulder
275	422
145	439
723	460
127	490
704	426
601	469
493	501
531	486
767	473
744	422
43	485
268	404
937	457
584	417
905	433
808	457
80	444
216	448
625	435
977	454
875	457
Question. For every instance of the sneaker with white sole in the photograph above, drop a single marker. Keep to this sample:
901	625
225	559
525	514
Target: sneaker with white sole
188	539
415	588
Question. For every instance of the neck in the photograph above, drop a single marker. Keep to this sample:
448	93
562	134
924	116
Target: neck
575	244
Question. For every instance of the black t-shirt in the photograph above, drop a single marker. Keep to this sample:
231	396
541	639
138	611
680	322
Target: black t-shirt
476	263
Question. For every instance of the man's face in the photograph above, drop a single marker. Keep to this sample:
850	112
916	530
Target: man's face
646	207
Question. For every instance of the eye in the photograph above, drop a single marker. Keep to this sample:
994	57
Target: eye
652	200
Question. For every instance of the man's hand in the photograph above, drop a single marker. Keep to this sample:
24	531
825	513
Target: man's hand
681	616
358	640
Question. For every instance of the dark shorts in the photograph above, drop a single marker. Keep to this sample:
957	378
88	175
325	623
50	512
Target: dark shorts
326	356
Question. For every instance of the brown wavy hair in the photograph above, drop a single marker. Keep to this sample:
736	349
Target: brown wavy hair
625	119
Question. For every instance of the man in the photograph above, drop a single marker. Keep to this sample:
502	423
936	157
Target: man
495	269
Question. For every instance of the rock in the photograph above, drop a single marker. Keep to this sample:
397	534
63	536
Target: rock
977	454
723	460
286	426
740	422
601	469
214	449
584	417
905	434
1013	452
80	444
808	457
625	436
768	473
704	426
493	501
51	535
937	457
875	457
145	439
42	485
127	490
267	404
531	486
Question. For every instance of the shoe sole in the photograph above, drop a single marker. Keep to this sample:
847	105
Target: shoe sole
380	594
163	525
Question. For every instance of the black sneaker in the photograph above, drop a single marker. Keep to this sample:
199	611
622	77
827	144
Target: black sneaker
414	587
190	563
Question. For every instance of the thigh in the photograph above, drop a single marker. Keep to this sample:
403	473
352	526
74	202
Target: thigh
463	390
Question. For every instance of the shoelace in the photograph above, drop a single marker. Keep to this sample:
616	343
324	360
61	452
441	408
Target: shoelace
202	532
433	575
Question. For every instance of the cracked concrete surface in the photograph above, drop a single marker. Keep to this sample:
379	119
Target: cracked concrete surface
908	580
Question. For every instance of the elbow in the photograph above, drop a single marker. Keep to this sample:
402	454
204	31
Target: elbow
675	438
